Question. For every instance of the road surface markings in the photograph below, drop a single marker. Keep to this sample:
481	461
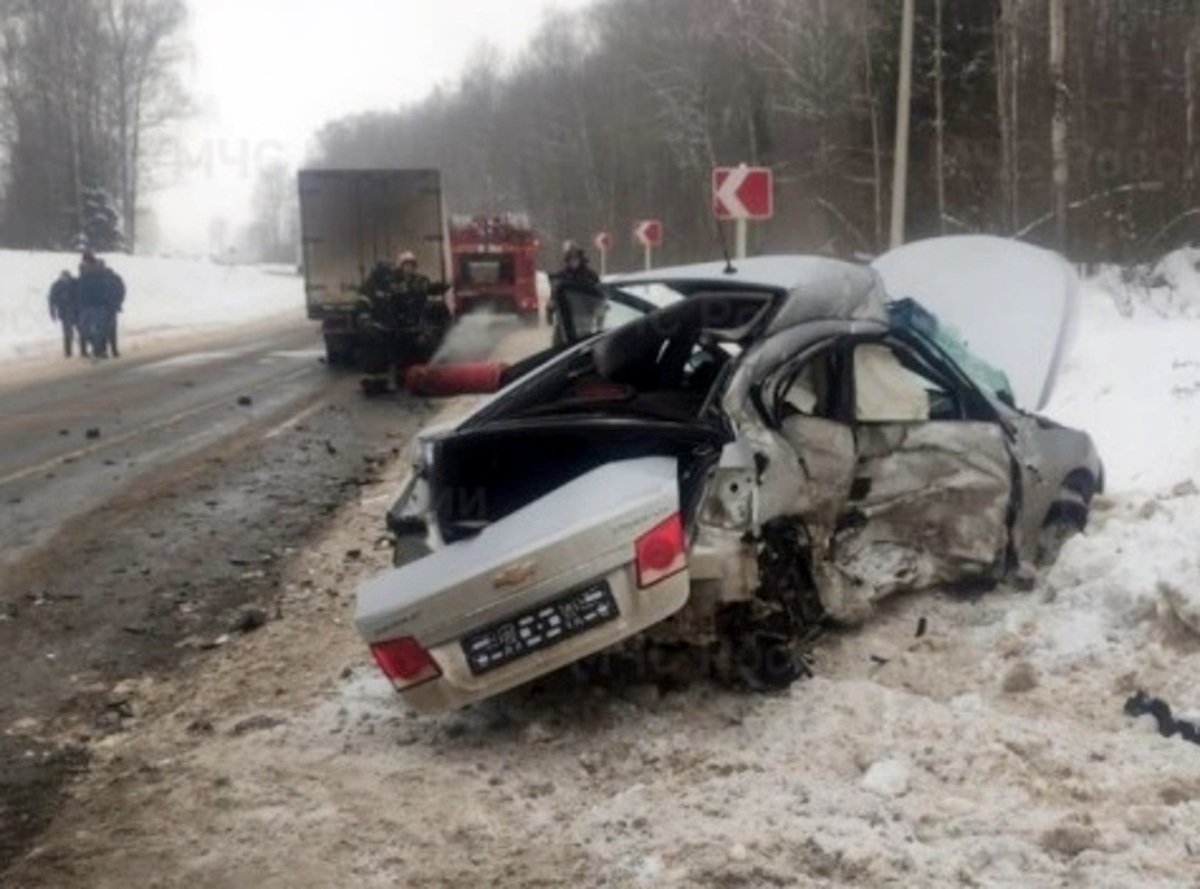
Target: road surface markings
296	420
178	361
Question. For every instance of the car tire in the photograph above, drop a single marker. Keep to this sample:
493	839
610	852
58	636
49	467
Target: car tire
338	353
767	664
1066	518
407	548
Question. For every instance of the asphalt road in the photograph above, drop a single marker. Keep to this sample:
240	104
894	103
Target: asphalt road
146	507
72	443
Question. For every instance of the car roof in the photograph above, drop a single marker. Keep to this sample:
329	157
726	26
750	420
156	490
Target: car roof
817	287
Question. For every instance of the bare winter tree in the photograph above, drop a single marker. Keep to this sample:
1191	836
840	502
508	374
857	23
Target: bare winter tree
86	87
274	213
1058	127
618	111
144	51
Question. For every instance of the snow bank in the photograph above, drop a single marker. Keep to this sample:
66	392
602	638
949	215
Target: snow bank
1134	384
1132	584
1169	288
165	297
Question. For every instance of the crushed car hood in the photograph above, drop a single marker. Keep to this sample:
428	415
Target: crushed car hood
1012	303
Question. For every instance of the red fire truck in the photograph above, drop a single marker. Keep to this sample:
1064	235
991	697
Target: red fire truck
495	264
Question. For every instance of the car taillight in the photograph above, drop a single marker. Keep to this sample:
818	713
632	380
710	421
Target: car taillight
405	661
661	552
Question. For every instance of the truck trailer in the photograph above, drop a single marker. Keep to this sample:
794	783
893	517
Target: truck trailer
353	220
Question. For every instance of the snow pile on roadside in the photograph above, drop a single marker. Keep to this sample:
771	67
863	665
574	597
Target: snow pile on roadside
1169	288
1134	385
165	297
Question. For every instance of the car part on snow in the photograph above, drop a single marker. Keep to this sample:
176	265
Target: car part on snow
446	380
1141	704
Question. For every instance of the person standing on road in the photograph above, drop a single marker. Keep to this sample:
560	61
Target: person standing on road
576	276
64	308
114	295
92	288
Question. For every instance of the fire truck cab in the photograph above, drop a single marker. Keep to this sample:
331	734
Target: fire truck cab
495	264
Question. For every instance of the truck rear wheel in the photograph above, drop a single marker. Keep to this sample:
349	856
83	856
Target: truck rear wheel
340	351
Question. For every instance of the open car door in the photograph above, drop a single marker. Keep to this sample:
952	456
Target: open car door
1012	303
582	312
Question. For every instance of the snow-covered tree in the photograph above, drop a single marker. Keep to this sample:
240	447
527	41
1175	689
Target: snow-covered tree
101	230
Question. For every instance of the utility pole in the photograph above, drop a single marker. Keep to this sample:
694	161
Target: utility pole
940	117
903	112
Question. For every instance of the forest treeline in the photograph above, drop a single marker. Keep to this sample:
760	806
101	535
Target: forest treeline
620	111
88	92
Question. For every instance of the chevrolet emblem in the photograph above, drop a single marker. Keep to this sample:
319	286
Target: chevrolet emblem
515	575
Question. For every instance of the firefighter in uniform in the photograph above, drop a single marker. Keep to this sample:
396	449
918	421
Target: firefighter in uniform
575	276
403	321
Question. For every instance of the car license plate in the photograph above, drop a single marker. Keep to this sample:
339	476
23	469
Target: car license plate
543	627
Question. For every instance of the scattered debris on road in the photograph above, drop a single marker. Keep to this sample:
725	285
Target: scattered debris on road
258	723
249	620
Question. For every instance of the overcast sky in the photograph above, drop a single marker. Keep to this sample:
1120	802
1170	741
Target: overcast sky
269	73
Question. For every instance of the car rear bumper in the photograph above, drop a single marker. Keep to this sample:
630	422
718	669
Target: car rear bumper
637	610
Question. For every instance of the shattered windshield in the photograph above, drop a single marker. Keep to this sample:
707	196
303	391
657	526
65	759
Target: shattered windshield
910	315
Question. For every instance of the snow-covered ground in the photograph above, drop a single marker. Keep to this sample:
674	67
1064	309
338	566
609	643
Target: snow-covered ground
165	298
989	750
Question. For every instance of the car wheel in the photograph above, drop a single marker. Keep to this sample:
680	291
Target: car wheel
1051	540
1066	518
408	548
768	664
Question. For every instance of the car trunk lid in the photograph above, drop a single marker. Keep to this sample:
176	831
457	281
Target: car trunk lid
567	538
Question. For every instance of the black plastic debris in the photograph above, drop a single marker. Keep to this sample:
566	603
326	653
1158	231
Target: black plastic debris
1142	704
92	433
922	626
249	620
245	401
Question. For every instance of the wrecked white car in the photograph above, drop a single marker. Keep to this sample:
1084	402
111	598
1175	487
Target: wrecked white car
772	448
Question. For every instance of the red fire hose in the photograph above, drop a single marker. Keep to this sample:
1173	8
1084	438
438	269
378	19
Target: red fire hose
443	380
